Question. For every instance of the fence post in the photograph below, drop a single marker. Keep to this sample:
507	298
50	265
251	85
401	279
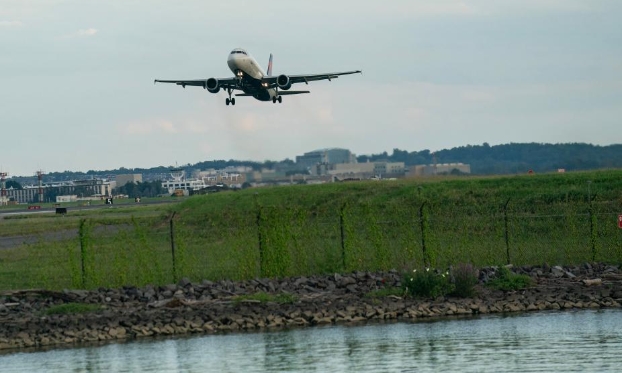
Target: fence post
423	226
173	246
259	237
343	237
591	214
83	247
507	233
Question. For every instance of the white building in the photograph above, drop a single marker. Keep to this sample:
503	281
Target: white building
65	199
179	182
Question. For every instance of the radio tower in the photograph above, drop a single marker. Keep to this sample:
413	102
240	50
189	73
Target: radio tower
3	176
40	178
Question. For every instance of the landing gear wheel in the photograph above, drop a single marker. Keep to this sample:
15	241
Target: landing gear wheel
274	100
230	100
280	99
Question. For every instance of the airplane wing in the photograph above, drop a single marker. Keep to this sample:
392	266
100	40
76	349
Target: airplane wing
306	78
285	93
281	93
226	83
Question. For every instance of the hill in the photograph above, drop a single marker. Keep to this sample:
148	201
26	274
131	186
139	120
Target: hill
514	158
506	159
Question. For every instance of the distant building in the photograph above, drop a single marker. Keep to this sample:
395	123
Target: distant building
123	179
85	188
329	155
25	195
180	183
367	170
438	169
64	199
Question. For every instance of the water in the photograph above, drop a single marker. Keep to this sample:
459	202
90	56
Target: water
580	341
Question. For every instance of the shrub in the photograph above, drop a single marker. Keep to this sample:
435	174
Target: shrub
427	283
465	277
507	280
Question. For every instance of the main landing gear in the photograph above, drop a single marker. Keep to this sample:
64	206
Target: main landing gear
275	99
230	100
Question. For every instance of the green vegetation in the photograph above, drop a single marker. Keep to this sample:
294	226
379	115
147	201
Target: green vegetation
142	189
72	308
513	158
283	298
507	280
34	224
465	277
305	230
427	283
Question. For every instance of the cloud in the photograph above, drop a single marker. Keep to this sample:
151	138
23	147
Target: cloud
82	33
87	32
162	126
10	24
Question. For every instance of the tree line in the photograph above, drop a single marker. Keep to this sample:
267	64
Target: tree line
513	158
484	159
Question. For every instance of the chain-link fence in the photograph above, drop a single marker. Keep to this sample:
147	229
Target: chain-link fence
278	241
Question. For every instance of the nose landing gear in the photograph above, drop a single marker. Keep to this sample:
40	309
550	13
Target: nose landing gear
230	100
275	99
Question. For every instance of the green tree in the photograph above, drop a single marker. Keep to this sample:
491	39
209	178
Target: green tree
13	184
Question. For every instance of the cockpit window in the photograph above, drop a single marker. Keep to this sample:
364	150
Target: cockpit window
239	52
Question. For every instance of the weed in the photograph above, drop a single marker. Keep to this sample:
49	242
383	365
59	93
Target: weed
465	277
507	280
427	283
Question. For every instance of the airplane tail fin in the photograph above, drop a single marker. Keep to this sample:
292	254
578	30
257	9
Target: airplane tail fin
270	66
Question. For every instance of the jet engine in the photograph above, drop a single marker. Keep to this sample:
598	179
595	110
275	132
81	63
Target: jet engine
212	85
283	82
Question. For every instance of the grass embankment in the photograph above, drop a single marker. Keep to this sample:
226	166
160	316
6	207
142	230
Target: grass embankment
340	227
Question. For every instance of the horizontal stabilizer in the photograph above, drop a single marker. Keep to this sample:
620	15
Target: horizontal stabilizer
285	93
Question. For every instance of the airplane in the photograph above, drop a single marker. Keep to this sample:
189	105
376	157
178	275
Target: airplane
252	81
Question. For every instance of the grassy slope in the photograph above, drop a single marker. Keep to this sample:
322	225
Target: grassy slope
218	235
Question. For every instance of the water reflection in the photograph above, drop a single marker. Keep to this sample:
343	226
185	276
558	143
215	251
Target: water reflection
537	342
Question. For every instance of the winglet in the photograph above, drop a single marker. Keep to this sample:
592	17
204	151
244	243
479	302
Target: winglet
270	66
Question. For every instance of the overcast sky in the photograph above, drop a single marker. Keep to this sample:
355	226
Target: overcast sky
77	92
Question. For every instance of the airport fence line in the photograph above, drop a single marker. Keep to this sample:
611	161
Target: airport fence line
279	241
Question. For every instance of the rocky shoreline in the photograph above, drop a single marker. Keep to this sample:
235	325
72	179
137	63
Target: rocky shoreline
218	307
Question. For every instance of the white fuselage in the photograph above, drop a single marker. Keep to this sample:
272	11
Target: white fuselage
243	65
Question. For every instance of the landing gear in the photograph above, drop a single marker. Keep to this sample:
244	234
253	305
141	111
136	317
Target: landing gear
275	99
230	100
